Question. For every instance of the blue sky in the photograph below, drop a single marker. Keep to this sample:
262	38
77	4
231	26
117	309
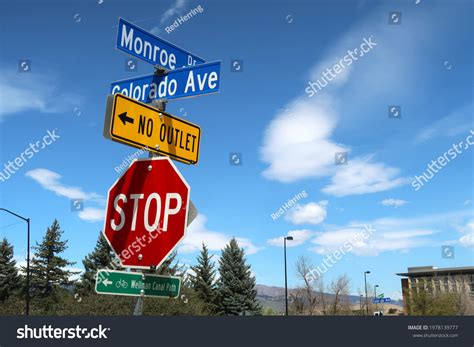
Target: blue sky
287	139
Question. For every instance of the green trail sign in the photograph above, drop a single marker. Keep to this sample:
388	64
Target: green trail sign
136	284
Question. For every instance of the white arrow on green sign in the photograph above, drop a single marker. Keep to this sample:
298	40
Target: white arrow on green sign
136	284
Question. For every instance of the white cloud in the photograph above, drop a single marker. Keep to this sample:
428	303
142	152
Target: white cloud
394	202
311	213
370	245
197	233
51	181
297	143
362	176
397	234
173	10
467	240
33	92
299	237
454	124
92	214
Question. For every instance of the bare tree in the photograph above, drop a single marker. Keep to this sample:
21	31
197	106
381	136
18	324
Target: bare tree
297	299
340	290
303	268
323	300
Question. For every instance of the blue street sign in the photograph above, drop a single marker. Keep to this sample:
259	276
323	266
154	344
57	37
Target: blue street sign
378	301
152	49
181	83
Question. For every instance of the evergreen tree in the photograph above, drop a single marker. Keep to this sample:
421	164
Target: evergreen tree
203	281
9	279
236	287
47	267
100	258
170	266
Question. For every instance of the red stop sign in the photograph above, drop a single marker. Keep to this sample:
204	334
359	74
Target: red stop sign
146	214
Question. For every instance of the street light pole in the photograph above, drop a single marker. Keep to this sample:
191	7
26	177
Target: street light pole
366	302
289	238
360	304
375	295
27	220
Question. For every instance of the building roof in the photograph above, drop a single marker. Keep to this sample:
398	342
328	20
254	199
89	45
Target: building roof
430	270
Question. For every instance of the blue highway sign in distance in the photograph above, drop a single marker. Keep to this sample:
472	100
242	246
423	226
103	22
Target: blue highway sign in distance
152	49
180	83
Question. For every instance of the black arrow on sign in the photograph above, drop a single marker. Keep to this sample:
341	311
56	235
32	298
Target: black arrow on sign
124	118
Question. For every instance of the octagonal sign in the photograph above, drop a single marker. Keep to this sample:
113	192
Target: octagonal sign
147	210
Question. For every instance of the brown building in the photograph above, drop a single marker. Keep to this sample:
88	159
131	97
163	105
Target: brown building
434	280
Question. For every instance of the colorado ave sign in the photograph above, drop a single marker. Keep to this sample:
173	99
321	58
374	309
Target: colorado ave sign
146	215
139	125
136	284
181	83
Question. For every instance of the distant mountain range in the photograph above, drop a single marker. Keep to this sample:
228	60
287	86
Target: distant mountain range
274	297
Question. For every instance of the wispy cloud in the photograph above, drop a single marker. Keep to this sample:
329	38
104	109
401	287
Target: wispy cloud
387	234
458	122
298	144
362	175
393	202
51	181
467	239
174	10
23	92
198	233
299	238
92	214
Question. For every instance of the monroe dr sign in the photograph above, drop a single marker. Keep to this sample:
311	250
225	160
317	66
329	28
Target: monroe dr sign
147	211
